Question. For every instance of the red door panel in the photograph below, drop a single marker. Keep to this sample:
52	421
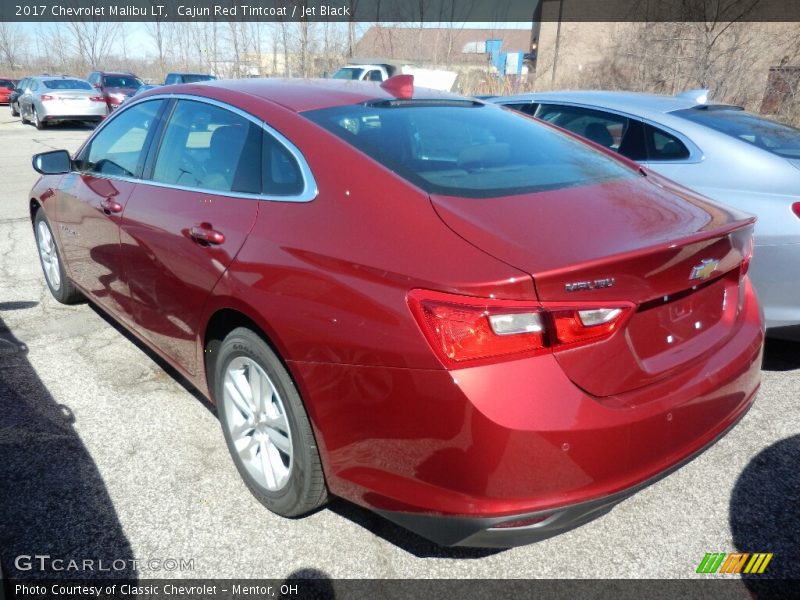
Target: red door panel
170	272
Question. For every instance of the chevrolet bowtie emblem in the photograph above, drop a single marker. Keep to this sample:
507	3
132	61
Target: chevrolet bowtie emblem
704	270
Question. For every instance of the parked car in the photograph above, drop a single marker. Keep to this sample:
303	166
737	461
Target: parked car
145	87
173	78
6	88
732	156
525	330
13	97
48	100
115	87
435	79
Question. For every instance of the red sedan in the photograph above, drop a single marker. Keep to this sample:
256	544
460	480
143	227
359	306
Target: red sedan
6	87
465	320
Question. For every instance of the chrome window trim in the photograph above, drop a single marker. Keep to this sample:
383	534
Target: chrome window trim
695	153
310	190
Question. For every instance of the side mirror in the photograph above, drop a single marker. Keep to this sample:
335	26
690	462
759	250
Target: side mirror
54	162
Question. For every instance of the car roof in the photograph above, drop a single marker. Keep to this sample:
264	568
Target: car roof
307	94
631	102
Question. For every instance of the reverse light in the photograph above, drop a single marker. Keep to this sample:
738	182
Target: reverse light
464	330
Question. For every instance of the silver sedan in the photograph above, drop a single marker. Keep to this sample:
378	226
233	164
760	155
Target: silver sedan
730	155
55	99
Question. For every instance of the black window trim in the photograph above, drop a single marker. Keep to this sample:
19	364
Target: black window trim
696	155
308	194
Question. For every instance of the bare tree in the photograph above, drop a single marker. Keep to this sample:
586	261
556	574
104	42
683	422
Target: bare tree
12	45
93	40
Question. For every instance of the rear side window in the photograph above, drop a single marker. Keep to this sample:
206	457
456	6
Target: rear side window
117	148
606	129
524	107
208	147
662	145
467	149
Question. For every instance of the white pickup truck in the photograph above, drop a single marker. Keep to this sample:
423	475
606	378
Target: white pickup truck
429	78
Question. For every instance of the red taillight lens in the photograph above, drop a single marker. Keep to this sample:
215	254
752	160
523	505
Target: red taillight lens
748	256
460	328
796	208
581	326
464	331
97	99
45	98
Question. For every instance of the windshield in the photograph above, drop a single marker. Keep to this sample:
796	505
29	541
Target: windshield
348	73
121	81
771	136
67	84
463	148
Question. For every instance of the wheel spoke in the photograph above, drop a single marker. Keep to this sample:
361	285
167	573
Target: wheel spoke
236	396
278	422
280	441
266	467
242	430
254	381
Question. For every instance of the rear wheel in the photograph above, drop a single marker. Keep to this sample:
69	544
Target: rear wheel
60	285
266	426
22	116
14	111
38	123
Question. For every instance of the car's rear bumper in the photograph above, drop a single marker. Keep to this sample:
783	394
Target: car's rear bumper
68	113
775	272
453	454
526	528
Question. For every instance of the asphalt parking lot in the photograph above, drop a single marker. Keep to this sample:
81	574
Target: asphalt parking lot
106	455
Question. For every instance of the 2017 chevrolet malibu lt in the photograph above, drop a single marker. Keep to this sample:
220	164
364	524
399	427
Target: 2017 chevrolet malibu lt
469	322
724	152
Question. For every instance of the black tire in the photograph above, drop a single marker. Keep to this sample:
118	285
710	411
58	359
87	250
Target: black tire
305	488
22	115
14	111
37	122
63	290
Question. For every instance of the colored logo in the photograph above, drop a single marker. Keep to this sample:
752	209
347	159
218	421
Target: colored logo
704	270
740	562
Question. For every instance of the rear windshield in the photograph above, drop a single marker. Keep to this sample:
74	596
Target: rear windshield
468	149
5	83
771	136
67	84
121	81
348	73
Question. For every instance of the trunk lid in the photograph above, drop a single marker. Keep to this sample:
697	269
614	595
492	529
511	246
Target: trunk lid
673	255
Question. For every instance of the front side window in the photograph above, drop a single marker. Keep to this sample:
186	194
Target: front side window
524	107
348	73
208	147
777	138
117	149
467	149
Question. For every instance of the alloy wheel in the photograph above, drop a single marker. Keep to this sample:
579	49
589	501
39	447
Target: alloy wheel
49	256
257	423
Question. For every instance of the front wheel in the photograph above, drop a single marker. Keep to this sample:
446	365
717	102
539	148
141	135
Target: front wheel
60	285
266	426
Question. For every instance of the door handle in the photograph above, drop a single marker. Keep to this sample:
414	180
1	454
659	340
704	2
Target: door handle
204	233
110	206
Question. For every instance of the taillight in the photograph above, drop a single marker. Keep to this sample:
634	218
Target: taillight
45	98
464	331
796	208
748	256
97	99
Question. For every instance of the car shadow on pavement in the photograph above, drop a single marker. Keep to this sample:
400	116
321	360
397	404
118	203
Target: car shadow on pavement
765	517
403	538
53	501
152	355
781	355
